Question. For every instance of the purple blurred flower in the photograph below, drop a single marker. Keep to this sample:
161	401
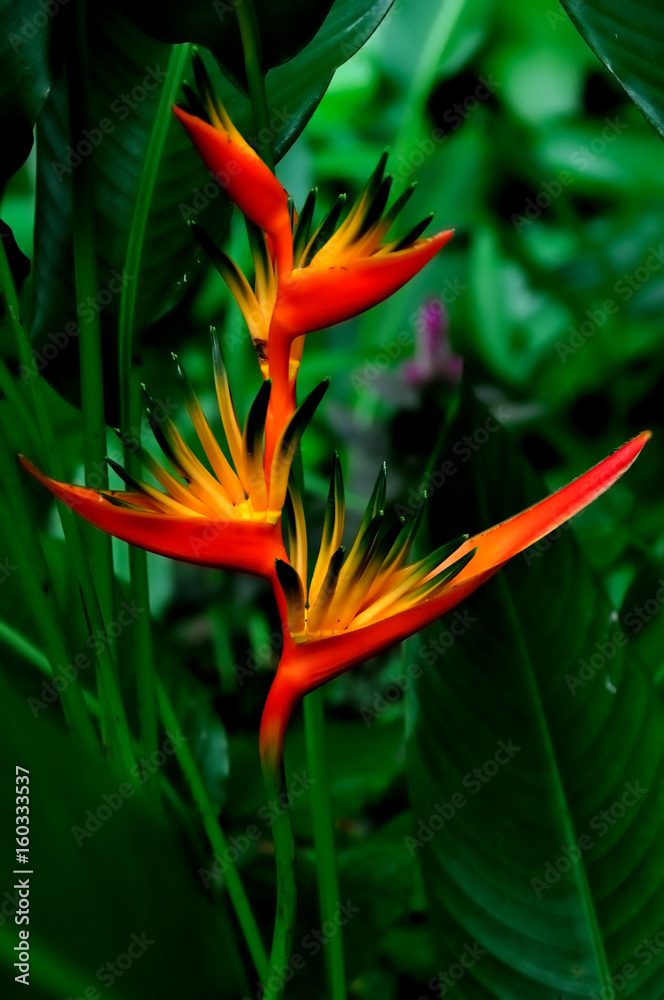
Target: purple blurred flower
434	360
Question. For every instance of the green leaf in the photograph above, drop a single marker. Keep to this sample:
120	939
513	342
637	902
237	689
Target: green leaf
628	36
284	27
295	89
535	764
93	832
26	75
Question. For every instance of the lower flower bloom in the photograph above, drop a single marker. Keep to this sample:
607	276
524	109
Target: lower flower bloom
358	605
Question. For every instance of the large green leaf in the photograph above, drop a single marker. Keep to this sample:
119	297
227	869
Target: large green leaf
543	859
284	28
25	77
628	36
104	871
123	58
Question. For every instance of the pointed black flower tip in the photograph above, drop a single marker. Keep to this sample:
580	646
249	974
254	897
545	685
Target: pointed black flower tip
202	77
203	238
377	176
413	234
376	502
376	205
301	418
122	473
193	104
324	231
218	362
400	203
190	395
302	228
293	590
255	425
155	421
117	501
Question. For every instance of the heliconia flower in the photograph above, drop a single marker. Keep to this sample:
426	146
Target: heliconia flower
358	605
337	274
230	517
305	278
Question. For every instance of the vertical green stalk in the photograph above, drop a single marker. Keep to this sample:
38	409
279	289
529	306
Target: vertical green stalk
438	38
110	701
278	708
25	553
87	288
215	835
86	284
253	64
130	399
425	75
326	866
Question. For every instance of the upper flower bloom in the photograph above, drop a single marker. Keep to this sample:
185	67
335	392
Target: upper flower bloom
247	180
306	278
228	517
360	605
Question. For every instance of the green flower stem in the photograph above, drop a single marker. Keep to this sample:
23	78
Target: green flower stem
415	109
110	701
326	867
130	398
98	544
139	221
284	852
279	705
425	74
215	835
253	64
